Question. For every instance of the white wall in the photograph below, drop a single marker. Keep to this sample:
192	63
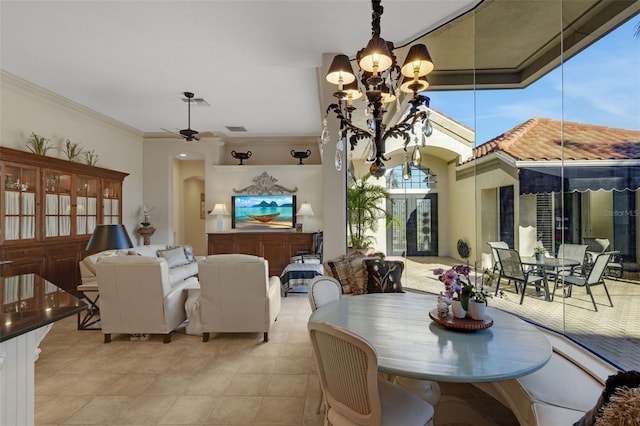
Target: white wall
26	108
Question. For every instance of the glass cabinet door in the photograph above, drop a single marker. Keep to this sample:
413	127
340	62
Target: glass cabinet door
19	203
111	195
86	204
57	204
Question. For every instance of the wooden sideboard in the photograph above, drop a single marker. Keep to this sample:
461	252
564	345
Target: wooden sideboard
276	247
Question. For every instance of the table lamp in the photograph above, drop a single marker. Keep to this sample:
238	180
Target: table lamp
219	210
305	210
109	237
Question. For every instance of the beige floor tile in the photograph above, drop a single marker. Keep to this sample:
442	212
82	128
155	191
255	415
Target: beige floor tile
225	364
146	410
168	384
292	366
288	385
248	384
51	385
92	384
209	384
189	410
235	410
257	365
130	384
278	410
297	350
100	410
53	410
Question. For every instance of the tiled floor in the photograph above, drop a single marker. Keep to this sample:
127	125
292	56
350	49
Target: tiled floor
234	379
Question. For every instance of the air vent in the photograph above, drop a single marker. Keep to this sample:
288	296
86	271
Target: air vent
236	128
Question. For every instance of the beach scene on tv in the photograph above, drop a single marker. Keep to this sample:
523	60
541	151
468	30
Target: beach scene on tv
264	211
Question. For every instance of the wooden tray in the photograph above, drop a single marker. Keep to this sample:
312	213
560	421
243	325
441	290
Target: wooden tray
466	324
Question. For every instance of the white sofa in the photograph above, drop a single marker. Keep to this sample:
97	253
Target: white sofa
176	274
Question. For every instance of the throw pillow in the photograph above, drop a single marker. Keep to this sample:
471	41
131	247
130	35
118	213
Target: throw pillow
358	277
188	251
341	270
384	276
174	257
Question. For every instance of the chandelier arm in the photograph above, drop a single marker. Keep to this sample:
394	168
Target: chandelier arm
345	123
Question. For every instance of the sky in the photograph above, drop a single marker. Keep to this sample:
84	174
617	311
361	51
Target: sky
601	86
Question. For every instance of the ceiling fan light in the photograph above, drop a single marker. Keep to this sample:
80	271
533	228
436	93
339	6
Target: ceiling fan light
340	71
418	62
376	57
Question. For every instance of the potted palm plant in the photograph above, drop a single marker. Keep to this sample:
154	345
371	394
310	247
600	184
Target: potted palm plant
364	209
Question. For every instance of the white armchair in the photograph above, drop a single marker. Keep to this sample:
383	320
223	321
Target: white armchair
237	295
136	296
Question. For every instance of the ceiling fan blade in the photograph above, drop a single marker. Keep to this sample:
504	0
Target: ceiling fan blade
171	131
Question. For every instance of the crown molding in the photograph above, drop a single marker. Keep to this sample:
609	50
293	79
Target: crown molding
60	101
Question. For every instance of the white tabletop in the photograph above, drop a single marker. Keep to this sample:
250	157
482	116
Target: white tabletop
409	344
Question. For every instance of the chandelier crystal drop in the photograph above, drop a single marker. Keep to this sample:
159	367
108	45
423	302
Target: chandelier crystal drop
382	80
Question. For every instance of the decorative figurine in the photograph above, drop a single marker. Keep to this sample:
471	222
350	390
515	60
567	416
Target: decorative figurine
443	305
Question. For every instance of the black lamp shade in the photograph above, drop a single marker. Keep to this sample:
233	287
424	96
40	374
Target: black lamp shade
418	60
340	71
109	237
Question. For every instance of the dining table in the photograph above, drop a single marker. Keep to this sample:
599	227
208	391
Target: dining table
546	264
409	344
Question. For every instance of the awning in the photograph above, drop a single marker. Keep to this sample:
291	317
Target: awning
539	180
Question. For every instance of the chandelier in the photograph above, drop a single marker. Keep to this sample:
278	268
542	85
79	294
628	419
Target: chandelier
379	75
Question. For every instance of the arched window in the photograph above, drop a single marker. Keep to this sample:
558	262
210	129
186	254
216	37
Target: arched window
419	179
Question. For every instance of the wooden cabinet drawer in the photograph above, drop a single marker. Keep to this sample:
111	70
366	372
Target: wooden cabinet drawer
17	253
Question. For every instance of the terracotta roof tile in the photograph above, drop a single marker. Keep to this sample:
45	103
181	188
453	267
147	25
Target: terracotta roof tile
541	139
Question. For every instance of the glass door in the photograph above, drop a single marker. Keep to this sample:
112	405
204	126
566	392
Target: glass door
418	234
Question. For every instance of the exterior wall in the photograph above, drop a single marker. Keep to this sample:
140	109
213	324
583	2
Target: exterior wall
26	108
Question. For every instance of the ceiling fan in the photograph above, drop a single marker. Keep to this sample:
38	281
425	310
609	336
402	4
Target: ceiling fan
188	134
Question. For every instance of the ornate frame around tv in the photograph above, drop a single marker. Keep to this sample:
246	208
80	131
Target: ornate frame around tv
263	211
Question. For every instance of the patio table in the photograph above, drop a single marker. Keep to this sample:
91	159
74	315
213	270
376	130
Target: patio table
548	264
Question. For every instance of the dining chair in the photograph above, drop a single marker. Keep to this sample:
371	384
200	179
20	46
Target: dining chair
512	270
595	277
322	290
494	245
355	395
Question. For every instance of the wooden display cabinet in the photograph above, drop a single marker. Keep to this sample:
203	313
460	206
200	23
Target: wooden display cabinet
277	247
48	209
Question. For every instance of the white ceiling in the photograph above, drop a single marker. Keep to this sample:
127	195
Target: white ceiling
254	62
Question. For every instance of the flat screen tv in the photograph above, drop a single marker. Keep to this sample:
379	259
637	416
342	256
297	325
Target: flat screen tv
263	211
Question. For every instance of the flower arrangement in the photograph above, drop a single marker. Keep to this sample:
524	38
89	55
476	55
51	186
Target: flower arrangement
458	285
455	287
146	215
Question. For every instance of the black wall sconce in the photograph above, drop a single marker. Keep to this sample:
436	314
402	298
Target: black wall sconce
300	155
241	156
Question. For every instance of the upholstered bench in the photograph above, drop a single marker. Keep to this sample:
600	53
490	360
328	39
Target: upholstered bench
561	392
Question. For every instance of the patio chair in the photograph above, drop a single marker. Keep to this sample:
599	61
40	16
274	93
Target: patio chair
577	252
512	269
595	277
496	262
348	372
